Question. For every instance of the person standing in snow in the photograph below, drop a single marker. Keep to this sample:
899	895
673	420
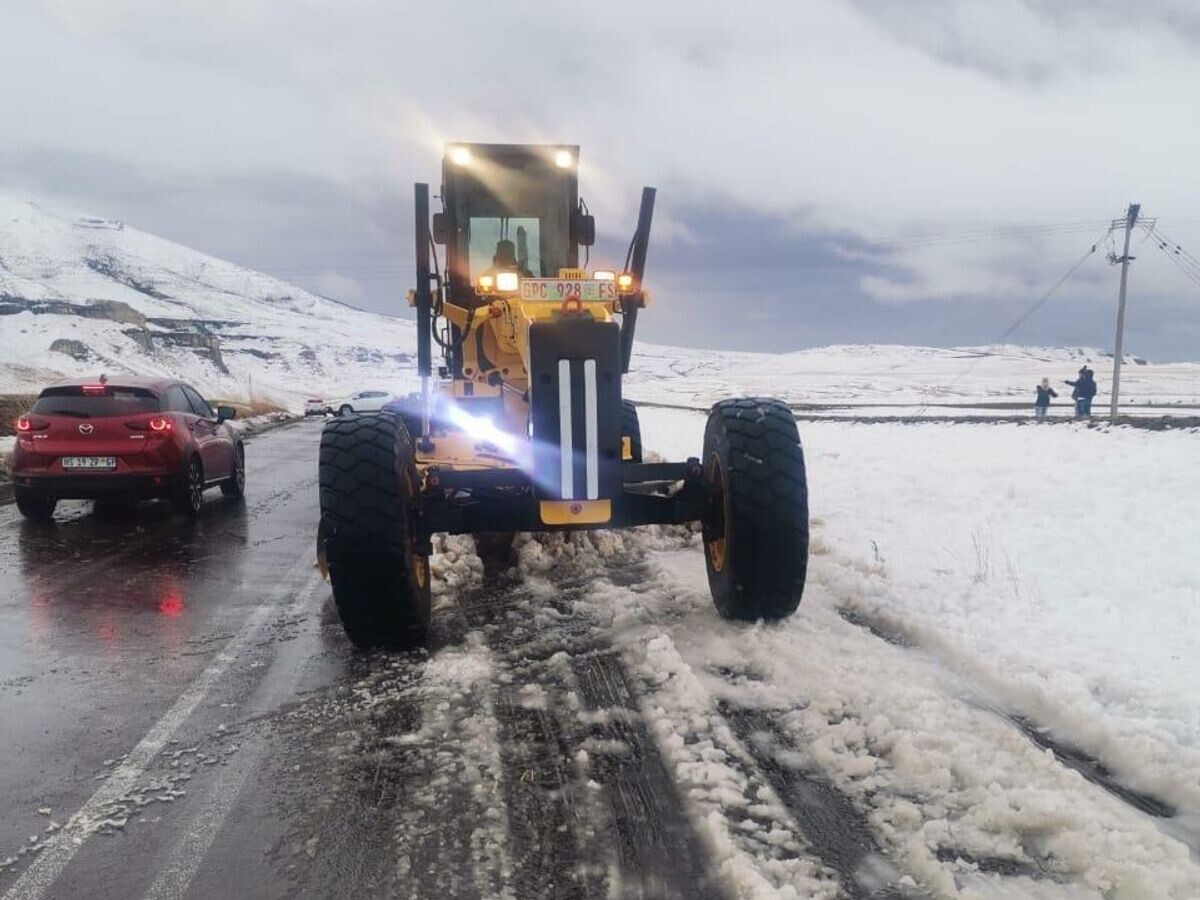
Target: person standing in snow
1042	404
1083	390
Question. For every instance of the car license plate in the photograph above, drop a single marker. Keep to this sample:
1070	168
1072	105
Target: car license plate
89	462
559	289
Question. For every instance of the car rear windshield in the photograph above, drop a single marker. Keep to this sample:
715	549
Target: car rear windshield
95	402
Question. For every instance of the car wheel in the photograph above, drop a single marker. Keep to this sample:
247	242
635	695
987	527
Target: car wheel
190	493
33	505
235	485
345	409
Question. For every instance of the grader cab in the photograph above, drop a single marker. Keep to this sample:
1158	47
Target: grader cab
523	427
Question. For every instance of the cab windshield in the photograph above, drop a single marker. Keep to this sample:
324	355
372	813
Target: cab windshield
495	242
513	218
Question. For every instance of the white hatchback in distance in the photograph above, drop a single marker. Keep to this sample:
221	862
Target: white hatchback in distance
363	401
315	406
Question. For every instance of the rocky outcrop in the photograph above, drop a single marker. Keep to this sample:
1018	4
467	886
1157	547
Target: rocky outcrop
77	350
112	310
109	267
208	345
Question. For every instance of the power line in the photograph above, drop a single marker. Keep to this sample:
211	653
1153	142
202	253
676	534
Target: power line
1009	232
1041	301
1178	255
1034	307
1174	257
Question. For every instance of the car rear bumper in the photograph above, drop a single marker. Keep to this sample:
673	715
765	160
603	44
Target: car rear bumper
90	486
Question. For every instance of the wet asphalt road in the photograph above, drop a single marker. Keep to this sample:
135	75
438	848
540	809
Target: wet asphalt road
182	716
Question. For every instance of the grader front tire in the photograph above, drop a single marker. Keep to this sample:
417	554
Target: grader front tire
380	584
755	524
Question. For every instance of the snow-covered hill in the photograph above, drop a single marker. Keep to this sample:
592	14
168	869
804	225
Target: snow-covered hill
81	295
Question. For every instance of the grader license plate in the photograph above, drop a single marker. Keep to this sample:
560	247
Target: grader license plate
559	289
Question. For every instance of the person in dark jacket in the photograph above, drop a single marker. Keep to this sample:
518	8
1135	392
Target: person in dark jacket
1042	404
1083	390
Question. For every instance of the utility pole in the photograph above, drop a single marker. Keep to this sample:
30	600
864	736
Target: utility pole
1130	220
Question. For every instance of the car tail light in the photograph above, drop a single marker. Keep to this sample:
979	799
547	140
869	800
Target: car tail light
153	424
25	425
95	389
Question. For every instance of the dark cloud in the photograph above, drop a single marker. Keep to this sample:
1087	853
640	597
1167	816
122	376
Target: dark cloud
793	143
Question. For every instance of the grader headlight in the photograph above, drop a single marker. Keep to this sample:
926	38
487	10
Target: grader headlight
604	275
508	282
485	284
625	283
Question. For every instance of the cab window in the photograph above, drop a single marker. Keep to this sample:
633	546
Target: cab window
504	243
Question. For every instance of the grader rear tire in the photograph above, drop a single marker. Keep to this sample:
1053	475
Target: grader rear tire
380	584
755	524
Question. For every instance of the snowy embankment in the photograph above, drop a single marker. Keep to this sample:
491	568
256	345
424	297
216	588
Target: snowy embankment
255	424
976	593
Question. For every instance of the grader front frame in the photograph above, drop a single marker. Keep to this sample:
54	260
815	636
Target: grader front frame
524	426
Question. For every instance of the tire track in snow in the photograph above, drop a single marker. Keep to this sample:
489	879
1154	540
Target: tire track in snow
1068	754
635	839
650	828
544	801
838	833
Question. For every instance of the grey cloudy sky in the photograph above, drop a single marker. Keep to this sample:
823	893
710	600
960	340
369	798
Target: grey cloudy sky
803	151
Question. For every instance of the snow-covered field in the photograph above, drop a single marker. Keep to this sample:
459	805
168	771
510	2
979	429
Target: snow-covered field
877	380
1022	585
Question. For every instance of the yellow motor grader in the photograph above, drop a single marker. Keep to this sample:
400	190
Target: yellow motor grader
524	426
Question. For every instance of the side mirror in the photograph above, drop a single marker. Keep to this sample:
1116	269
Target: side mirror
225	413
583	229
442	231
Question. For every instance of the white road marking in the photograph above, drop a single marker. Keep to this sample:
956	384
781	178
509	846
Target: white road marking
175	878
566	440
592	445
61	849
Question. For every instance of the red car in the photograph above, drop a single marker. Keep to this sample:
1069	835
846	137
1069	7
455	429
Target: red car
125	438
